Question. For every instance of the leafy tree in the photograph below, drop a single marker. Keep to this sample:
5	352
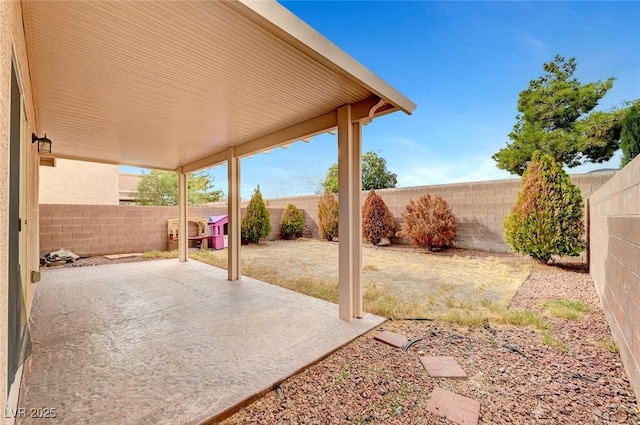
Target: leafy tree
377	220
291	222
555	118
630	137
328	216
547	217
161	188
256	222
429	222
374	174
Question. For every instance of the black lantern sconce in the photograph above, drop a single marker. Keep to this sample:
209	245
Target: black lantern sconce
44	143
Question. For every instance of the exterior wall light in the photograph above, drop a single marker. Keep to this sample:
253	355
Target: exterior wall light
44	143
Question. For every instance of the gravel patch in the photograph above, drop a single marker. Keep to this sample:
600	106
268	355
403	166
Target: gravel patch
94	261
516	377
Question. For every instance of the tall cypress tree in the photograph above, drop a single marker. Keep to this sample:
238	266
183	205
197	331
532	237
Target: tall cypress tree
256	222
547	217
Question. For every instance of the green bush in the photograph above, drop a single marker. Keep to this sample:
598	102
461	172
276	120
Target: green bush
291	222
630	135
429	222
328	216
377	220
547	217
256	222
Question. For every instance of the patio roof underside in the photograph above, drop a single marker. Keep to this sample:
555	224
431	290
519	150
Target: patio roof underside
170	84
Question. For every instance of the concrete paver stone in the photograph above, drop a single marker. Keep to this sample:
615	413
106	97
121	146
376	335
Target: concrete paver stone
442	367
458	409
392	338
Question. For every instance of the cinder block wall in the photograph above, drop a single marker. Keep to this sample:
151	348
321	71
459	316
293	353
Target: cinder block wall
98	229
614	212
479	207
107	229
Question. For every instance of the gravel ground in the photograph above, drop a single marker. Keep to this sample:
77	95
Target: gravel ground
368	382
94	261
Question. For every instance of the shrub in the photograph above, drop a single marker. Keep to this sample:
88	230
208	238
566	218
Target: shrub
377	220
256	222
630	135
428	222
547	217
306	232
328	216
291	222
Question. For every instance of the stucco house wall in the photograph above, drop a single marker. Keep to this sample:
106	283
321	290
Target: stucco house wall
79	182
13	48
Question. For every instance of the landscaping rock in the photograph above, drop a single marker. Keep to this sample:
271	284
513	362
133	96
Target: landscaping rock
362	383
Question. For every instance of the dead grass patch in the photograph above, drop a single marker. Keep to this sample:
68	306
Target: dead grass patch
463	290
566	309
475	317
378	301
607	343
160	254
550	340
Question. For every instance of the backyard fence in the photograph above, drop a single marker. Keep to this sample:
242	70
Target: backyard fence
614	245
479	208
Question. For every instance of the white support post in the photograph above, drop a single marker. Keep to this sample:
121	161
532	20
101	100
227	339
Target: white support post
345	213
356	213
183	235
233	206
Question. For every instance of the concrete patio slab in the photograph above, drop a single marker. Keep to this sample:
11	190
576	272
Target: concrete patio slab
163	342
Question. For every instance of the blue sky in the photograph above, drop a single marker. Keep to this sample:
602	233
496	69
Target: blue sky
463	64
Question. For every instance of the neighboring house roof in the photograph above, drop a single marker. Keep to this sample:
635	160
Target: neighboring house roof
169	84
128	187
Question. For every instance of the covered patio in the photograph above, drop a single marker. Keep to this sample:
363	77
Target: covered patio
188	85
184	86
166	342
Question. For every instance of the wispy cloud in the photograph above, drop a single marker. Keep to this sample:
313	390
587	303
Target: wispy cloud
434	170
532	43
405	143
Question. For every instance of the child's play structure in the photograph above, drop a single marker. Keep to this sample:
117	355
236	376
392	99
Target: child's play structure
218	231
204	234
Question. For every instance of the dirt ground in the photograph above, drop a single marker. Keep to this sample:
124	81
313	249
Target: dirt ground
410	274
515	375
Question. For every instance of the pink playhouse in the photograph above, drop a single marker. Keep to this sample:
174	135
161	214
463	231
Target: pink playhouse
218	231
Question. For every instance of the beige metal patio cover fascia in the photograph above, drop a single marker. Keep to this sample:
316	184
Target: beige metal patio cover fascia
174	84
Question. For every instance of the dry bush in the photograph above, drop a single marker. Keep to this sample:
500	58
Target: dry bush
428	222
306	233
377	220
328	216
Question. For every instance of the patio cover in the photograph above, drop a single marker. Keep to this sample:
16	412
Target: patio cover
185	85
